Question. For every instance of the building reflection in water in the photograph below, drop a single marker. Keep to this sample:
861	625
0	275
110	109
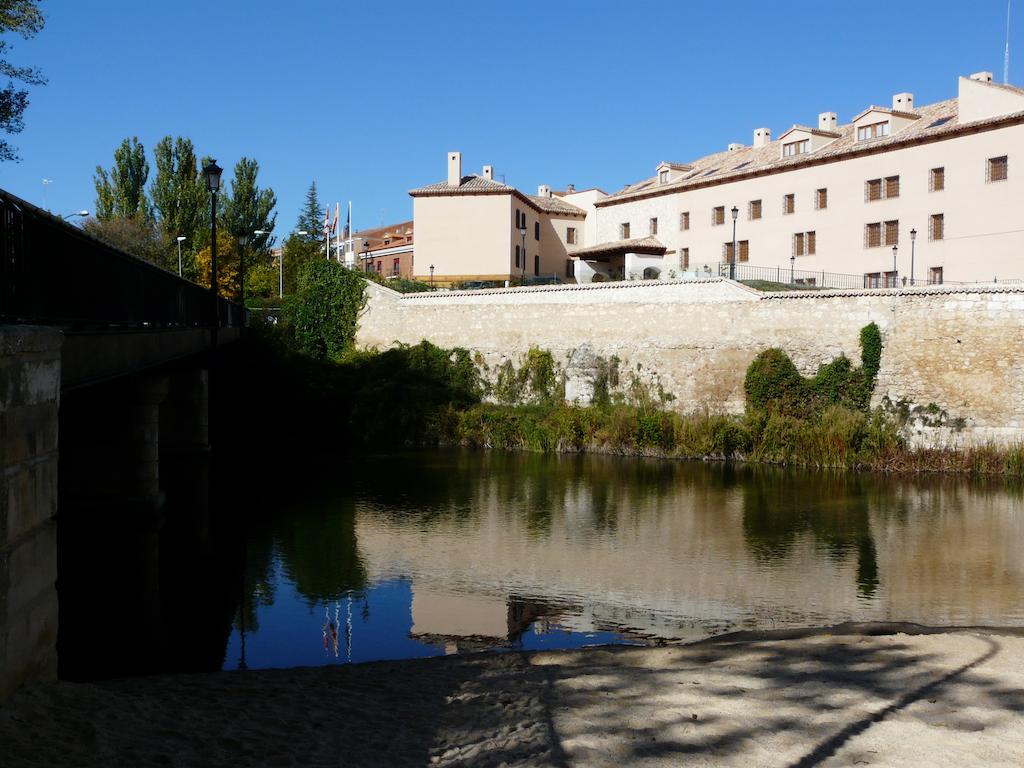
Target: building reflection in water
463	551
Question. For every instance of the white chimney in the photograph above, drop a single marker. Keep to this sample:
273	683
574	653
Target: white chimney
543	191
762	137
828	121
570	189
903	102
734	146
454	169
982	77
489	172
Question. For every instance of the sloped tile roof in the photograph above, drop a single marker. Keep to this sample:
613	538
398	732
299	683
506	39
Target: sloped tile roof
475	184
934	120
555	205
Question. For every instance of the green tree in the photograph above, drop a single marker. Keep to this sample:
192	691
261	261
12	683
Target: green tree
138	236
227	265
24	18
180	197
311	219
297	252
121	192
248	208
322	315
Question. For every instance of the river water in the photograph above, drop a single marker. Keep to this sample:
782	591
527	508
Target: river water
438	552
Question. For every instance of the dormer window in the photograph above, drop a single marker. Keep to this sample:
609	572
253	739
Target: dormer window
663	177
873	131
794	148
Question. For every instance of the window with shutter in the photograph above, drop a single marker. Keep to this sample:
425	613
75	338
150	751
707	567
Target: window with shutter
811	243
789	203
872	235
718	215
684	221
727	252
570	235
873	190
935	275
798	244
536	230
892	186
821	199
744	250
684	258
892	233
937	226
754	210
624	230
654	226
937	180
998	168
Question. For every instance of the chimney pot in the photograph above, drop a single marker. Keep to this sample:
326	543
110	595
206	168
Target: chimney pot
982	77
570	188
734	146
454	169
489	172
903	102
828	121
762	137
543	191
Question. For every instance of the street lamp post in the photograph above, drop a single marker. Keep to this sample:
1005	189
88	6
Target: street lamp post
431	277
913	239
211	173
73	215
179	238
366	256
792	264
522	234
732	261
895	248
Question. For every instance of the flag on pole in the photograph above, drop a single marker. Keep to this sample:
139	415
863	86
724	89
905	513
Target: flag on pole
348	222
337	215
327	221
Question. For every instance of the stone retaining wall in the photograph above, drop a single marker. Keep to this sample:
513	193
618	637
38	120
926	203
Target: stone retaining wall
959	349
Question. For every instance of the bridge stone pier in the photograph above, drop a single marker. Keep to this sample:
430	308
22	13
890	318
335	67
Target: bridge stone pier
29	400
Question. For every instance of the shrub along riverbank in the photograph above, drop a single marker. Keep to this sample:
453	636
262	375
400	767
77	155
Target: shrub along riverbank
329	397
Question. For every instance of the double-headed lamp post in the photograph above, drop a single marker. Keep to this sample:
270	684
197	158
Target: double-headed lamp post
211	173
895	276
179	238
913	239
732	262
522	234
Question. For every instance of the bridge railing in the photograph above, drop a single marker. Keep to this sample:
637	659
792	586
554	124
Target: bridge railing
54	273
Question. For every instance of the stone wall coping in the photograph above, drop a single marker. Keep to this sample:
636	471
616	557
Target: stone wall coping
21	339
924	290
538	289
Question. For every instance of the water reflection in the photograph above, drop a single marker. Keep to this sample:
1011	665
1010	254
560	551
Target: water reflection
442	552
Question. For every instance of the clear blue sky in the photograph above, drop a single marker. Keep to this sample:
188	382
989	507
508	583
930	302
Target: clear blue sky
367	97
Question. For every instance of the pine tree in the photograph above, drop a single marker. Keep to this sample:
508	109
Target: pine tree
312	217
121	193
25	18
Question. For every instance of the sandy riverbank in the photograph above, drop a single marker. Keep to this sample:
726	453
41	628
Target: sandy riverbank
837	697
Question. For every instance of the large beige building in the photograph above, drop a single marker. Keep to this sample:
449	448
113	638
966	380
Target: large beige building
838	198
818	203
474	228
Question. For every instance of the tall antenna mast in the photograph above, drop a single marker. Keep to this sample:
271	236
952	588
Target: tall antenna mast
1006	54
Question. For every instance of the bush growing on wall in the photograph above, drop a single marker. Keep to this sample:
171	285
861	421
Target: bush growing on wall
321	316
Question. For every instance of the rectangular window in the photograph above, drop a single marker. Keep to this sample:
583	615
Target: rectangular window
935	276
718	216
684	258
873	235
654	225
998	169
536	230
821	199
812	243
872	280
794	148
798	244
754	210
788	203
684	221
892	233
892	187
663	177
873	190
744	250
891	280
396	266
937	180
519	215
937	224
805	244
570	235
569	269
624	231
517	257
873	131
536	265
